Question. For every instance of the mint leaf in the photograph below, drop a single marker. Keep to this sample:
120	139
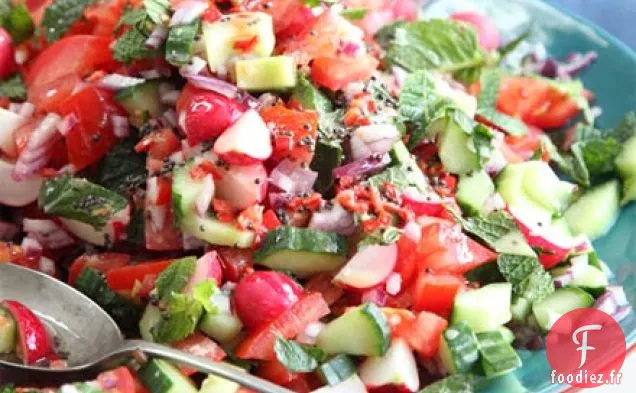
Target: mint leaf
16	21
78	199
175	277
481	138
528	278
122	168
508	48
203	292
626	128
395	175
135	232
487	102
436	44
180	41
13	88
459	383
328	156
179	320
489	228
490	82
382	236
310	97
354	13
131	17
597	154
132	46
294	356
60	15
157	10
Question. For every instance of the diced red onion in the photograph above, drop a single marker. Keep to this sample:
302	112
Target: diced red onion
47	232
610	301
150	74
38	149
32	248
376	295
8	231
121	127
367	166
278	200
373	139
563	280
350	48
292	178
213	84
205	196
157	37
47	266
334	219
250	101
552	68
68	122
394	284
196	65
119	82
187	11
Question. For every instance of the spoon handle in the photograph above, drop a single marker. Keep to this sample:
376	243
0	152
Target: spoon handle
220	369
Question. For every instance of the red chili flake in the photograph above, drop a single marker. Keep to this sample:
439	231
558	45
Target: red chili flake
203	169
245	45
224	211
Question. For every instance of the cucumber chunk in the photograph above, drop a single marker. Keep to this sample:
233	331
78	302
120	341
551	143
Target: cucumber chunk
596	211
361	331
514	243
454	152
563	300
140	101
223	327
336	370
266	73
214	384
150	319
8	332
544	187
587	277
510	186
498	357
626	166
185	191
214	231
473	191
401	156
459	350
159	376
483	309
302	251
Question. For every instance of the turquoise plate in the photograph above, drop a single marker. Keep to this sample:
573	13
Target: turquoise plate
613	79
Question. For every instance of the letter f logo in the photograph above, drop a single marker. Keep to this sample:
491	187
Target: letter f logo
584	347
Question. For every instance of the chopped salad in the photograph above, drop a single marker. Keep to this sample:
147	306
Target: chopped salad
334	196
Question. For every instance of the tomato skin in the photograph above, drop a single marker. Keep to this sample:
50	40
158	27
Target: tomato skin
274	371
436	293
261	297
103	17
119	380
406	264
301	16
200	345
58	69
235	262
166	237
204	114
124	278
336	73
7	55
302	125
13	253
424	333
92	137
104	262
260	343
159	144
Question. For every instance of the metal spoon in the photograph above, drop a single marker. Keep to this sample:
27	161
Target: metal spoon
90	336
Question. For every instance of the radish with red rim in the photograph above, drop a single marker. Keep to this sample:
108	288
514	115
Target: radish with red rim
247	141
34	342
369	267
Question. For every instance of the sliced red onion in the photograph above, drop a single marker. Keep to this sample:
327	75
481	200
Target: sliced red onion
613	299
32	248
292	178
367	166
121	127
552	68
119	82
8	231
38	149
47	232
394	284
68	122
187	11
196	65
250	101
150	74
205	196
334	219
213	84
373	139
157	37
376	295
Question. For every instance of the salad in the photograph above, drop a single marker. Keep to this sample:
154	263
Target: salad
334	196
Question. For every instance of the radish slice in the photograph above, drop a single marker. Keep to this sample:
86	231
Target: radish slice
423	205
9	123
352	385
487	32
208	268
369	267
242	186
246	141
34	342
397	369
14	193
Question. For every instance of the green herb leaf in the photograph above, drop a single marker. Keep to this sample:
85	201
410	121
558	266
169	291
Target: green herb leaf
354	13
489	228
16	21
179	320
597	154
626	128
135	232
13	88
60	15
122	168
175	277
78	199
131	17
512	45
528	278
459	383
7	389
310	97
481	138
203	292
294	356
328	156
157	10
132	46
93	284
180	41
436	44
395	175
487	102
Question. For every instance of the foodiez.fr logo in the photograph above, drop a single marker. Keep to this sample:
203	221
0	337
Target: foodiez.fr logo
586	348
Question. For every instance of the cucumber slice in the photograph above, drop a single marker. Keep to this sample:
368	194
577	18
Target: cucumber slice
520	309
587	277
266	73
563	300
216	232
473	191
459	350
510	186
544	187
454	152
336	370
150	319
302	251
140	101
626	166
483	309
401	156
596	211
361	331
514	243
8	332
223	327
498	357
214	384
159	376
185	191
507	334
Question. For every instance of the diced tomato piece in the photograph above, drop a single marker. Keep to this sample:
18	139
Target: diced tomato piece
236	262
260	343
406	264
103	16
124	278
160	233
199	345
283	12
398	318
295	132
423	334
92	137
436	292
59	68
274	371
323	283
159	144
270	220
524	146
101	262
12	253
297	20
119	380
336	73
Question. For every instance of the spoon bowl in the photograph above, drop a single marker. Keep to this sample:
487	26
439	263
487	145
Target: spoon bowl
89	336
